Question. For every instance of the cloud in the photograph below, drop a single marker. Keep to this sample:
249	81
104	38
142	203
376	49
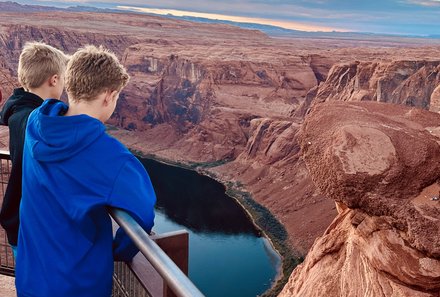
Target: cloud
266	21
429	3
280	9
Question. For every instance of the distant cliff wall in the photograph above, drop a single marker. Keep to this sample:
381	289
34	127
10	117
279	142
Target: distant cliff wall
404	82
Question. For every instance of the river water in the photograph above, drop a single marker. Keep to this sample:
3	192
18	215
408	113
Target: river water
227	254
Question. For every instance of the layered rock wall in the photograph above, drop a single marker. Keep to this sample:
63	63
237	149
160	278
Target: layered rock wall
404	82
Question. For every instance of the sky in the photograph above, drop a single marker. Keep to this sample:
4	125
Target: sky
403	17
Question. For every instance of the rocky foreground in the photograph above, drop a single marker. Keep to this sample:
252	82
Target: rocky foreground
380	163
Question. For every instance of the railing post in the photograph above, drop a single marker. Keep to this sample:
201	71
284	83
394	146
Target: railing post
175	245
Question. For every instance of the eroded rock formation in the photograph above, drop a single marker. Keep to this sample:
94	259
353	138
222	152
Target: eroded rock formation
381	164
407	82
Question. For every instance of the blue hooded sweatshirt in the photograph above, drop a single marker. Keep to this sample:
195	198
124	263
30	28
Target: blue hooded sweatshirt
73	170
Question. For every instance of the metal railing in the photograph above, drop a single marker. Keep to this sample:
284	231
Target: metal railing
7	263
178	282
152	273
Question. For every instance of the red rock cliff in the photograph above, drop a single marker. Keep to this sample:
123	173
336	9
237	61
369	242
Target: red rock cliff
381	164
408	82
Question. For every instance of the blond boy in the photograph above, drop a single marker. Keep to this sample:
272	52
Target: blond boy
74	172
41	74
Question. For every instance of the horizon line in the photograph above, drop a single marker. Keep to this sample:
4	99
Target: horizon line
290	25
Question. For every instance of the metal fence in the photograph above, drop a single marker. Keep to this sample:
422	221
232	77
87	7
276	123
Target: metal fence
126	283
159	270
7	263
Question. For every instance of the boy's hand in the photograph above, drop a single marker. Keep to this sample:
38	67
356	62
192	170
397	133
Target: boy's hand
123	247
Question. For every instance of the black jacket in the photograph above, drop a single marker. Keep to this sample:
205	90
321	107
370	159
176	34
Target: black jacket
15	114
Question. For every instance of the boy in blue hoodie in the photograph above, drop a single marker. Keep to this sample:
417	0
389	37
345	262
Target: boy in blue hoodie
41	74
72	171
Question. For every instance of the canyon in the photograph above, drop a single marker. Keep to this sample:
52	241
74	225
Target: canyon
242	107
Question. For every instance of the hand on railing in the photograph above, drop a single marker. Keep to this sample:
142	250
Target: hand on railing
173	276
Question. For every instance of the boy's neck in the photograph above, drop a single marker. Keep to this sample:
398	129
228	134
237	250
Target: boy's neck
41	92
90	108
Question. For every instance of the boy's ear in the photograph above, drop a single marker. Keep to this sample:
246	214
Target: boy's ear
53	80
109	97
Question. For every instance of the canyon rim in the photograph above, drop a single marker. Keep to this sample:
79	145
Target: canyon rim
233	104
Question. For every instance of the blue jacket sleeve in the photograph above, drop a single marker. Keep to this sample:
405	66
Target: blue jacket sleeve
134	193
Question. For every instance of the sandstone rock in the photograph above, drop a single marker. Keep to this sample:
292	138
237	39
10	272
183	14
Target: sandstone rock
434	105
380	162
403	82
371	259
377	157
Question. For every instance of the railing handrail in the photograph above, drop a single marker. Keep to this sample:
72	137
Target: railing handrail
5	154
179	283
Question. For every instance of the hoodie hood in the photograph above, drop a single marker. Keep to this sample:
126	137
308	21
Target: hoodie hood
51	136
19	100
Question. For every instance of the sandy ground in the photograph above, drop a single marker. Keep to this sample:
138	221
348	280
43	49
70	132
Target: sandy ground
7	287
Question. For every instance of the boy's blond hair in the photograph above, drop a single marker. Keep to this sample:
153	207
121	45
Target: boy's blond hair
38	62
93	70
